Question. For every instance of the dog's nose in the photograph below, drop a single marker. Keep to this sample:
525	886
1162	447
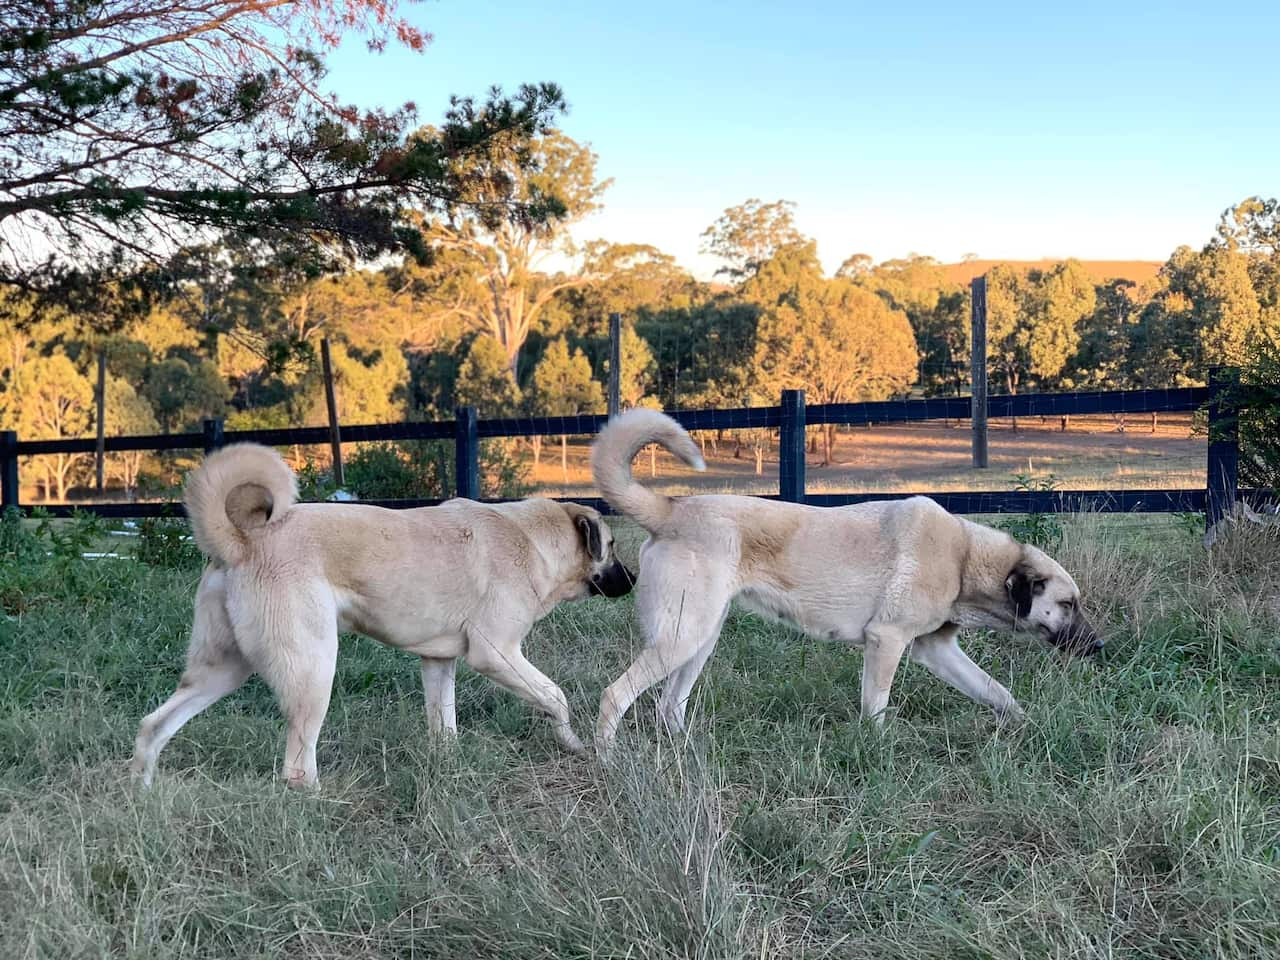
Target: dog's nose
1095	648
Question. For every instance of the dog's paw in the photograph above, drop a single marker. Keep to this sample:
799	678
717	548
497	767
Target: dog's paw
139	773
299	782
1011	717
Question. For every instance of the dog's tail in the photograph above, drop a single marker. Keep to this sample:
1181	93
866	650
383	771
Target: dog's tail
234	495
611	455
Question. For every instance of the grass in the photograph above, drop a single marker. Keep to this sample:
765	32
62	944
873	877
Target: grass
1135	815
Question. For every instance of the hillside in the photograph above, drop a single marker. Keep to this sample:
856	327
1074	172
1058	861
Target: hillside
1139	271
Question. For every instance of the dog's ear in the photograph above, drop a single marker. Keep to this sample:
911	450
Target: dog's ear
589	529
1022	585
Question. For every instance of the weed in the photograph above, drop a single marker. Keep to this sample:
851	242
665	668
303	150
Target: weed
1038	528
166	542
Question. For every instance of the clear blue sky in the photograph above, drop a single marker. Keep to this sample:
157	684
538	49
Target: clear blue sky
1019	130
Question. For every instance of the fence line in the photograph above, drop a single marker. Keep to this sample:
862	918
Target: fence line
790	418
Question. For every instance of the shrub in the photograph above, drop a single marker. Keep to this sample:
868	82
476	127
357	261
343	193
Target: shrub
1258	400
412	470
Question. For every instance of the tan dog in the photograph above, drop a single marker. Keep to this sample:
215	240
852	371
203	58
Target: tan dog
463	579
892	577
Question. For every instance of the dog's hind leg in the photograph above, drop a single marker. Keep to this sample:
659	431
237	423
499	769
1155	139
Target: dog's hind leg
883	650
679	631
438	694
675	696
500	659
215	667
940	654
298	661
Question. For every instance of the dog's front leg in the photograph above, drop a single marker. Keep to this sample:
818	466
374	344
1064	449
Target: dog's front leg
497	655
883	650
438	694
940	654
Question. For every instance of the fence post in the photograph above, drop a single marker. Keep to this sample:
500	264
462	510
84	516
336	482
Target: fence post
467	454
212	434
1224	445
791	447
331	402
100	402
615	364
8	468
978	369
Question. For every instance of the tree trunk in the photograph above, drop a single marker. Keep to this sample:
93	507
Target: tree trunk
60	471
537	451
826	445
759	460
564	458
653	460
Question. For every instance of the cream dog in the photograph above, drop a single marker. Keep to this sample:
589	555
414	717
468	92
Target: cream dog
893	577
462	579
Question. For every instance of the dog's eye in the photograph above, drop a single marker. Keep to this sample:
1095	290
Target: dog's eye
1067	604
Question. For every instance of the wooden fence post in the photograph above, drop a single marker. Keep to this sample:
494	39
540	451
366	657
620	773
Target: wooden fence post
615	364
212	435
331	401
1224	446
467	454
978	370
8	468
100	399
791	447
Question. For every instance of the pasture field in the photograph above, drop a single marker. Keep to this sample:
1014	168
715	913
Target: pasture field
1136	814
929	456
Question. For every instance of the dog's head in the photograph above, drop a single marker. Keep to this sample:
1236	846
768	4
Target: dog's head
1046	600
603	573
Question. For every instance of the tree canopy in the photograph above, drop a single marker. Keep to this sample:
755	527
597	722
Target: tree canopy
130	130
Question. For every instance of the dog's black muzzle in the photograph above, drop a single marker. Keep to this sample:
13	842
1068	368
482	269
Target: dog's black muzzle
1078	638
613	581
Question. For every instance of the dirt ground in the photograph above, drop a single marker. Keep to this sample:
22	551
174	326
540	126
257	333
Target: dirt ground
1093	453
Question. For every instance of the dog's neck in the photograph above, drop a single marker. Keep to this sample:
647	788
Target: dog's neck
983	600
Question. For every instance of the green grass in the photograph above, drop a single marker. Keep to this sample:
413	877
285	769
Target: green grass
1135	815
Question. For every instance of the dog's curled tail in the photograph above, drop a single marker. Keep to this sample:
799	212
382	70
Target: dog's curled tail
616	446
234	494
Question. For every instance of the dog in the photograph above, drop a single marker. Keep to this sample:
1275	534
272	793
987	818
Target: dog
462	579
892	577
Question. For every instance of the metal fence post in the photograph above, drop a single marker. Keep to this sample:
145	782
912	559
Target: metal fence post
1224	445
8	468
791	447
212	434
467	454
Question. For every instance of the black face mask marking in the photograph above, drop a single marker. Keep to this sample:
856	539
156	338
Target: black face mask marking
1078	637
614	581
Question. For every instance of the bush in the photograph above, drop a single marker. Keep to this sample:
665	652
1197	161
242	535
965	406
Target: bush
1258	399
398	471
413	470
